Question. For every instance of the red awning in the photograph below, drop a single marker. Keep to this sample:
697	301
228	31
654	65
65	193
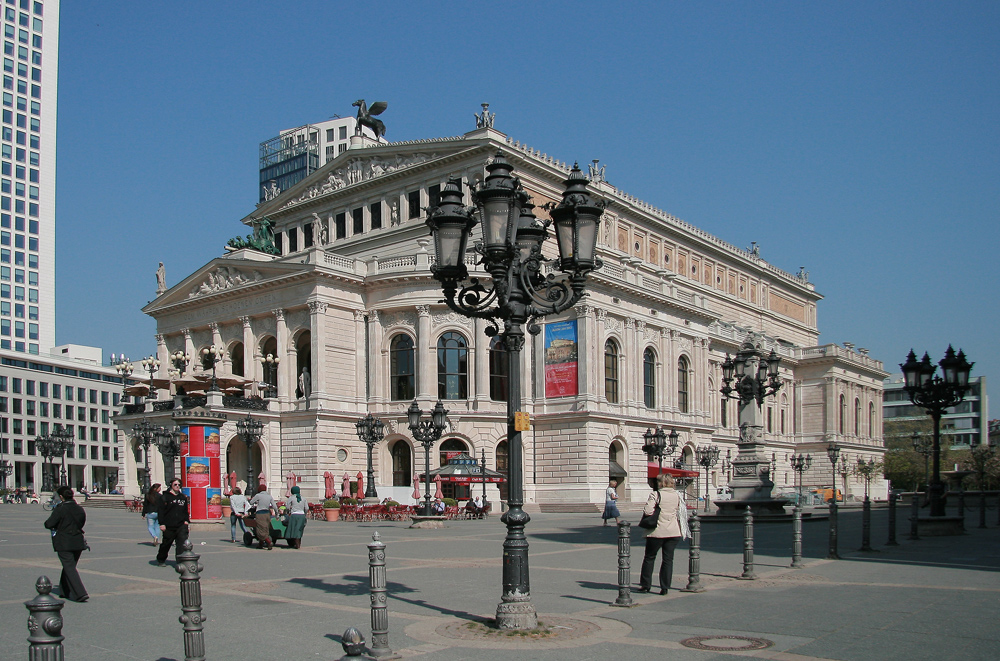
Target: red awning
652	467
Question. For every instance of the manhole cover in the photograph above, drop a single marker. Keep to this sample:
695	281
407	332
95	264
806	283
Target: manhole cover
724	643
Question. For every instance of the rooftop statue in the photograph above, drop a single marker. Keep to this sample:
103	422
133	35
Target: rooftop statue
261	240
366	117
485	120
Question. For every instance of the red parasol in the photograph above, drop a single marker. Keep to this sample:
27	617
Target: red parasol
290	481
416	488
346	488
232	481
227	490
261	480
328	483
437	483
361	487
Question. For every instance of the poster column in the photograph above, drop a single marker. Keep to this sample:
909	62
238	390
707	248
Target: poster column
201	477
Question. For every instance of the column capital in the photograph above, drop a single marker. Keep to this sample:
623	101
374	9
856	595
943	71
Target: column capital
372	316
584	309
161	338
187	333
317	307
423	310
245	320
213	326
359	315
279	314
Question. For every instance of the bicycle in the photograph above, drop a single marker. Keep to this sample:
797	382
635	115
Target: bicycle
51	505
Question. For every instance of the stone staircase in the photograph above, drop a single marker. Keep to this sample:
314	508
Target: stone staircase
586	508
103	501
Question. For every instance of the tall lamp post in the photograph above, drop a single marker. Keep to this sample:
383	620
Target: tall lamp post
124	369
935	394
212	355
6	468
64	439
750	377
151	364
866	469
521	294
925	446
656	444
371	430
427	432
180	360
145	435
845	471
800	464
270	365
707	456
833	453
48	447
250	429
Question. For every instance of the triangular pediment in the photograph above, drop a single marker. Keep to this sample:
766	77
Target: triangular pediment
239	270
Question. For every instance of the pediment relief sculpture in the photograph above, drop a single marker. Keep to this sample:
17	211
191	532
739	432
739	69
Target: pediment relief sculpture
357	170
222	278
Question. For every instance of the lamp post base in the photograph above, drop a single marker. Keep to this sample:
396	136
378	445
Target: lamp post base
516	612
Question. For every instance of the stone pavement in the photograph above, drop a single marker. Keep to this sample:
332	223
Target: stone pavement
937	598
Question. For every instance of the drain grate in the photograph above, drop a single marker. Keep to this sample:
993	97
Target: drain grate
704	643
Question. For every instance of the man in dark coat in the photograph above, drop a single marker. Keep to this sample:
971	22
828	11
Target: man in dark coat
174	519
66	523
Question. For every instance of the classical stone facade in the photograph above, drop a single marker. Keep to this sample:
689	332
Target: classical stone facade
352	300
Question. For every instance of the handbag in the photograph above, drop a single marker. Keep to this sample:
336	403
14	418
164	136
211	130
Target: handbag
649	521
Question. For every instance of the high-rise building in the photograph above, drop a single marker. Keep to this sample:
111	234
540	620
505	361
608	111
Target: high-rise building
294	154
963	426
28	175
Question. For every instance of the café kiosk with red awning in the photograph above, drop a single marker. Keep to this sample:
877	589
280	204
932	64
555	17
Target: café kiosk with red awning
464	470
684	477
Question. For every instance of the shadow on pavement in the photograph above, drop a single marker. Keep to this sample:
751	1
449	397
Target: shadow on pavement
359	585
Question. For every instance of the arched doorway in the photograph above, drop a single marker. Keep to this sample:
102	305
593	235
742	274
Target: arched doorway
303	364
616	467
501	454
236	460
402	463
269	375
449	449
236	359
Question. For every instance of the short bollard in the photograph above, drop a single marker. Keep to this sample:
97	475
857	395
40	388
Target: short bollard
380	609
748	574
961	507
796	537
624	599
191	618
892	519
44	623
866	525
832	553
982	508
914	515
353	643
694	555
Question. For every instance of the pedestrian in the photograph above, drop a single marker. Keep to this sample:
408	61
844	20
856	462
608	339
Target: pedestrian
265	505
671	527
240	507
174	520
66	523
151	512
610	506
296	519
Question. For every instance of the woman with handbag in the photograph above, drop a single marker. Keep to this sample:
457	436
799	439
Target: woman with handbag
665	516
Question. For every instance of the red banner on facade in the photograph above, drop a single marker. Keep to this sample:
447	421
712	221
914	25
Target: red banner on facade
561	347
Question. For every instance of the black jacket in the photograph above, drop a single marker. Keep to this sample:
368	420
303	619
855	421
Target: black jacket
174	510
151	503
67	521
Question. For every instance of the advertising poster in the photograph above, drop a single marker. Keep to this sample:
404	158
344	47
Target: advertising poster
211	441
197	472
196	440
196	502
214	500
561	359
184	442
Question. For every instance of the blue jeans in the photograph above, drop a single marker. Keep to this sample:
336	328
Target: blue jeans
153	523
233	520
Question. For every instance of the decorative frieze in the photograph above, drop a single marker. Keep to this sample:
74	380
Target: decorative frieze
223	278
356	171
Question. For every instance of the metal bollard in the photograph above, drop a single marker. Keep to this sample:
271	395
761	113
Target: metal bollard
982	508
892	519
694	555
914	515
380	610
191	617
748	574
866	525
796	537
353	643
624	599
832	553
45	624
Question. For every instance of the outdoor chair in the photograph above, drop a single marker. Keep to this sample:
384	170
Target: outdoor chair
349	512
316	511
451	512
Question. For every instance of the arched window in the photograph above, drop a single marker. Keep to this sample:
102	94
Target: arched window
453	367
682	384
402	464
450	447
611	371
236	359
402	374
871	419
857	417
843	413
269	347
498	370
649	378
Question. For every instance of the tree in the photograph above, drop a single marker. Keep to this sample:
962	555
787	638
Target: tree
904	466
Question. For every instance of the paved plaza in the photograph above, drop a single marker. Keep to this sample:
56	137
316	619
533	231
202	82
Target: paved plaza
936	598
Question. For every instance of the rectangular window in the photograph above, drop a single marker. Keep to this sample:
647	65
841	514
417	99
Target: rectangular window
434	195
56	391
81	395
375	211
343	133
43	409
104	453
341	225
413	202
307	235
16	406
330	135
93	450
358	220
104	397
57	410
342	148
293	240
277	242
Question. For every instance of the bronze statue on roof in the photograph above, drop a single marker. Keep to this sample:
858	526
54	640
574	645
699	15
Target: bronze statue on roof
366	117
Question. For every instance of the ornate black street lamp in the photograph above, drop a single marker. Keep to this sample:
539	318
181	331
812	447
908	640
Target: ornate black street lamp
270	365
211	356
169	443
727	464
64	439
924	445
250	429
656	444
180	360
511	252
707	456
145	435
935	394
800	464
833	453
6	468
48	447
427	432
151	364
124	369
866	469
371	431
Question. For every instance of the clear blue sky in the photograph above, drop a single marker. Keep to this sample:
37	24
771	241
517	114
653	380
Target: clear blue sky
859	140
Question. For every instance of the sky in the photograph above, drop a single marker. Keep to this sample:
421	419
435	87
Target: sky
857	139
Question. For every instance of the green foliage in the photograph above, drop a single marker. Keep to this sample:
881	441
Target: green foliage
348	501
331	504
225	502
392	503
449	502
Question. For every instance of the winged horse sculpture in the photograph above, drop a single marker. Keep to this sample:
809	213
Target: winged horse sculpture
366	117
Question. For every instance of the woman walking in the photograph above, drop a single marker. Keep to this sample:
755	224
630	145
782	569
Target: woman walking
265	505
239	506
671	527
296	519
610	506
66	523
150	512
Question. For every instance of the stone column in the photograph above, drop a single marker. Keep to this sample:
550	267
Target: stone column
284	369
225	363
189	349
586	354
375	334
481	362
631	378
317	337
424	354
250	361
670	382
163	355
360	362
